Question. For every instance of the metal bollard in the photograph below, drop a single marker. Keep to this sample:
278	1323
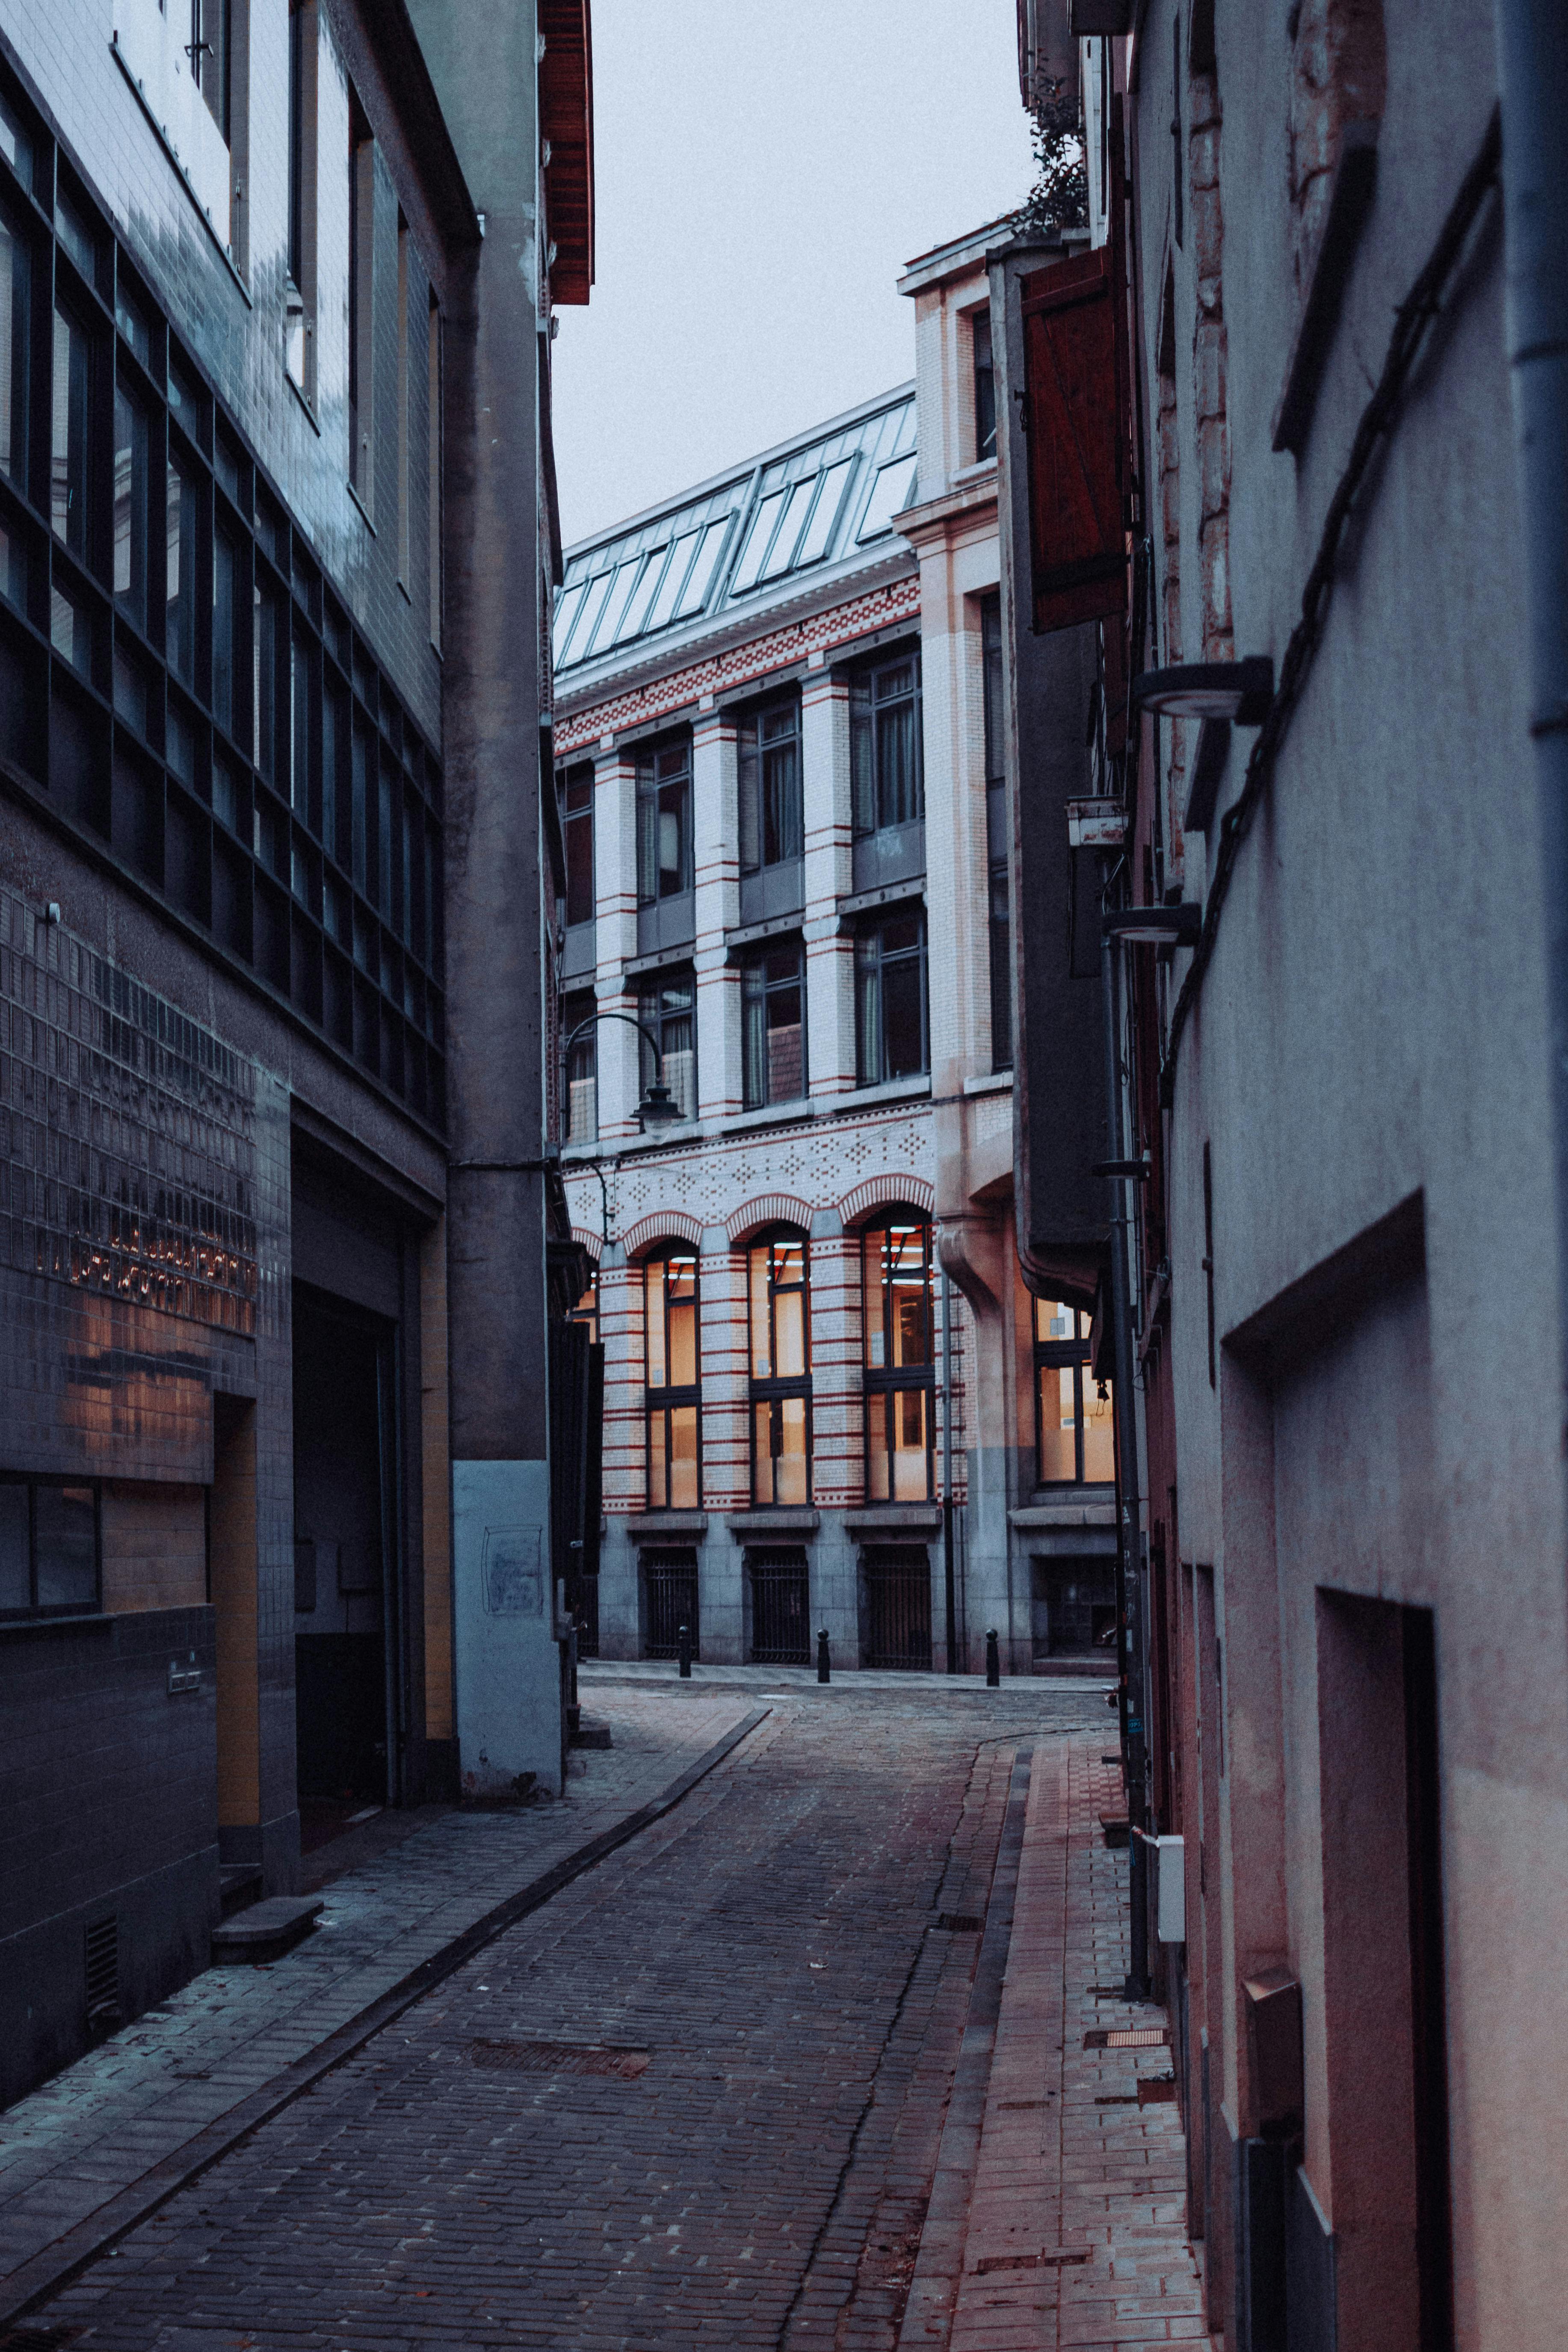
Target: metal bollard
993	1662
684	1647
824	1670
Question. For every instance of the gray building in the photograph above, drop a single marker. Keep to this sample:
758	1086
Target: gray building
249	685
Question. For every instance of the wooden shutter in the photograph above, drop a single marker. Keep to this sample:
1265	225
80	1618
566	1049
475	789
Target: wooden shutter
1076	437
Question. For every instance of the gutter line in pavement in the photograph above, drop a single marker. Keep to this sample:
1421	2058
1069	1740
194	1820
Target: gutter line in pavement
45	2274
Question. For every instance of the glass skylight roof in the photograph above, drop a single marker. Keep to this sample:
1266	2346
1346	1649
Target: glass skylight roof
816	504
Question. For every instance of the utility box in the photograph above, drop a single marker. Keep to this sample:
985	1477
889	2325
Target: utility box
1168	1863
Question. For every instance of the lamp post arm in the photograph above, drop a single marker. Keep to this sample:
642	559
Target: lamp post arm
631	1021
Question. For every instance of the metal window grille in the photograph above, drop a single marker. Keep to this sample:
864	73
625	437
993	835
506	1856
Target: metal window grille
670	1578
898	1609
780	1608
103	1975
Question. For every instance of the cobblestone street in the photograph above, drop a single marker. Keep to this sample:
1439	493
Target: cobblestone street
698	2097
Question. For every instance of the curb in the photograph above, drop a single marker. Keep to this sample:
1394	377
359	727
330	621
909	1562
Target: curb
45	2274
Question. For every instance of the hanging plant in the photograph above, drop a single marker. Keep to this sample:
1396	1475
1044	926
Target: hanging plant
1060	197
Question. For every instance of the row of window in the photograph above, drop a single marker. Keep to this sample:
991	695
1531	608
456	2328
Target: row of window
1074	1441
891	1028
174	671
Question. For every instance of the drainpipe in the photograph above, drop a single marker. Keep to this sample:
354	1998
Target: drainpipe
1532	70
947	1470
1129	1549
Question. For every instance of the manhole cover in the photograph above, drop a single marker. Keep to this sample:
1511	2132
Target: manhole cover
559	2058
960	1923
1127	2037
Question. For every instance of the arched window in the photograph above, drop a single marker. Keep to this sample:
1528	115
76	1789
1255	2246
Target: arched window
781	1369
899	1323
674	1377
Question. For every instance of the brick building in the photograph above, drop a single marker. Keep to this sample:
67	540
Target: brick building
777	743
260	270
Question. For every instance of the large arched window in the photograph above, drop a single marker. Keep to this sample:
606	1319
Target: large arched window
781	1369
899	1322
674	1376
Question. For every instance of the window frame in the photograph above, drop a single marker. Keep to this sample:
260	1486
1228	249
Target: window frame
1056	1354
756	987
36	1611
873	701
755	788
667	1397
656	1016
774	1389
998	907
579	1060
663	768
888	1380
869	967
577	778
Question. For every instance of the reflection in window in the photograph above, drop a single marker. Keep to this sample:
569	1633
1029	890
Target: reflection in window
899	1380
226	619
71	630
890	998
576	789
210	57
15	281
69	434
886	754
674	1395
781	1370
772	1028
48	1547
664	824
180	577
669	1008
131	507
769	803
1074	1430
580	1092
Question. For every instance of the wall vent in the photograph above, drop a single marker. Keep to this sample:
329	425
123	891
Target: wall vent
103	1976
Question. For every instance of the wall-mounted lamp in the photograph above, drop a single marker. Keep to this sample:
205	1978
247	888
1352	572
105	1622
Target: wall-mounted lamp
1239	691
658	1108
1177	927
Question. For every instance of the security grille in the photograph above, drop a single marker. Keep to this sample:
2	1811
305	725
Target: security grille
898	1609
781	1609
672	1581
103	1976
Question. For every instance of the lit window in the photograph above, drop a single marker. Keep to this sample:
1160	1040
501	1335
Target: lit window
1074	1430
781	1370
674	1391
899	1378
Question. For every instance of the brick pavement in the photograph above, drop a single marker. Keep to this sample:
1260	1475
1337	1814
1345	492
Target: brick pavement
75	2143
772	1946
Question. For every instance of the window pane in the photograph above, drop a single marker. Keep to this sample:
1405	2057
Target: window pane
70	631
180	579
570	601
753	1038
15	1578
1098	1432
781	815
789	1334
762	1451
13	282
877	1448
684	1494
782	550
824	514
1052	1319
615	611
756	547
264	683
890	493
873	1249
867	1012
791	1470
678	1063
694	595
903	1047
1058	1425
909	1280
985	390
658	1466
670	582
912	1472
680	1287
68	1549
636	612
226	613
68	451
673	804
762	1356
654	1294
897	775
592	605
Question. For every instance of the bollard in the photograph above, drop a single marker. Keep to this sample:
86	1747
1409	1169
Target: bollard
684	1643
824	1671
993	1662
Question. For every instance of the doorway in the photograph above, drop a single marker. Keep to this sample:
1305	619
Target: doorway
896	1608
346	1557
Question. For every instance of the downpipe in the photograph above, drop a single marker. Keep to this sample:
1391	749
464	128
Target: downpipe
1532	72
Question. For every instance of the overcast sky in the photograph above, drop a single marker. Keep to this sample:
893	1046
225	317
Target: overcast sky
762	172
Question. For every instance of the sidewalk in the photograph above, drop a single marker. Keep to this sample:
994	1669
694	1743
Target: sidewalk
1067	2222
83	2141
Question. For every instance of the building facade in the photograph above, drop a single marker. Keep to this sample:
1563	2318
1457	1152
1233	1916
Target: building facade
778	764
246	290
1267	500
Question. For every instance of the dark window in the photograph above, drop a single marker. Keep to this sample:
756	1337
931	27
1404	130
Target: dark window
1074	1433
890	998
182	518
664	824
984	389
781	1369
899	1380
996	834
586	1310
49	1547
769	786
226	624
209	55
674	1381
16	285
885	757
300	305
131	507
580	1094
361	279
669	1008
576	788
772	1014
70	462
264	648
433	510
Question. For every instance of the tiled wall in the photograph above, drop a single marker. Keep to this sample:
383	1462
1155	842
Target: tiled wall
154	1546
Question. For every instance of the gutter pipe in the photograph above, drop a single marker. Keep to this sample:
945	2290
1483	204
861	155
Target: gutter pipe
1533	73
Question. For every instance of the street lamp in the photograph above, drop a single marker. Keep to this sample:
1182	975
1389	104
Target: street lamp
658	1108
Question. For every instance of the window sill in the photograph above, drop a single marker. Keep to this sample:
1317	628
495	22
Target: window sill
92	1620
773	1519
999	1082
667	1523
364	510
895	1090
875	1519
1077	1506
301	395
796	1112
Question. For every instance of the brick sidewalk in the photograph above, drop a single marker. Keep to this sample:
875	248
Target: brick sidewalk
1075	2232
95	2128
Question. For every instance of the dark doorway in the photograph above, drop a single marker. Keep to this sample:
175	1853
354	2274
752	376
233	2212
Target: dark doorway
1074	1607
896	1617
346	1559
669	1579
780	1608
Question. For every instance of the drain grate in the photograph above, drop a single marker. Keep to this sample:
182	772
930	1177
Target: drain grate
560	2058
1127	2037
960	1923
102	1954
1057	2259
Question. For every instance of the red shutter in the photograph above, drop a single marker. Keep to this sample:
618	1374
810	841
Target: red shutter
1076	433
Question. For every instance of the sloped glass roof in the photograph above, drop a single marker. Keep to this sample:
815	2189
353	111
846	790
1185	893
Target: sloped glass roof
813	505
